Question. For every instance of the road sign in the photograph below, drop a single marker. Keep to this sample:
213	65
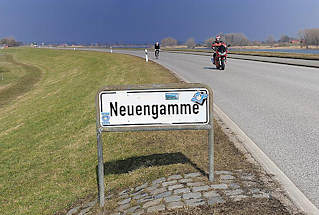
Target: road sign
154	107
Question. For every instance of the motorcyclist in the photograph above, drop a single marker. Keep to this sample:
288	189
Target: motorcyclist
157	47
218	42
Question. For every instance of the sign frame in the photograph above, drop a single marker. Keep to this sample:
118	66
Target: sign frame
181	86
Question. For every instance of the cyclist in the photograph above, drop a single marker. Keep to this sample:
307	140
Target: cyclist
157	49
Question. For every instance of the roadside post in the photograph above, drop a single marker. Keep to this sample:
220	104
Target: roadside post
146	56
160	107
2	74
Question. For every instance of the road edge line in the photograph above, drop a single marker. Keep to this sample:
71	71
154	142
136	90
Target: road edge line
300	200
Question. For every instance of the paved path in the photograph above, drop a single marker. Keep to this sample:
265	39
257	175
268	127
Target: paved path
276	105
192	189
177	191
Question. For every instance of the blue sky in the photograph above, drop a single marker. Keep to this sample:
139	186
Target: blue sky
139	21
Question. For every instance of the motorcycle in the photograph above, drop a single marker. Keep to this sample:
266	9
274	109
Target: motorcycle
157	53
221	57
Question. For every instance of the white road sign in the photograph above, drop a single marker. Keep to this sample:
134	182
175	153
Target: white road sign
154	107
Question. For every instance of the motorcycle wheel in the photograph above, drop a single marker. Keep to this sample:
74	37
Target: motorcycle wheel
222	64
217	64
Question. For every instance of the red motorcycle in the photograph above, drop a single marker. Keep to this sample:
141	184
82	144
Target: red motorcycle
221	56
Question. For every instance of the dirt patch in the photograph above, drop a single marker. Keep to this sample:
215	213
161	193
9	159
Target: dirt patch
244	207
4	87
13	91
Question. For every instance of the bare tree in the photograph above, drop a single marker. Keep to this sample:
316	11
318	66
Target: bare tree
284	39
315	38
9	42
169	41
301	37
190	43
236	39
310	36
270	40
209	42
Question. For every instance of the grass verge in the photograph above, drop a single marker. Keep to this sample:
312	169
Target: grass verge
47	136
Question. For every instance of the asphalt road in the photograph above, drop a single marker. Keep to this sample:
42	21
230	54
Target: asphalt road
276	105
290	61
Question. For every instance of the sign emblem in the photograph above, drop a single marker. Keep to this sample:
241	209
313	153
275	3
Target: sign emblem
171	96
199	98
105	116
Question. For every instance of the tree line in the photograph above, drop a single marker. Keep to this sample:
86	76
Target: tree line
10	42
309	37
306	38
237	39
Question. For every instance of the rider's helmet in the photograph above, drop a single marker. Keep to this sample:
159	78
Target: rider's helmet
157	43
217	39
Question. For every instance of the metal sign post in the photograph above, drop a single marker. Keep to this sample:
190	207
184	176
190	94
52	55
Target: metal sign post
153	108
211	151
100	167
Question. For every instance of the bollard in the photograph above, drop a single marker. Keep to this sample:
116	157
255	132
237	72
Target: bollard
146	56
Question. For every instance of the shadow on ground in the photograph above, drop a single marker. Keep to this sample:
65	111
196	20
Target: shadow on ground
210	67
134	163
213	68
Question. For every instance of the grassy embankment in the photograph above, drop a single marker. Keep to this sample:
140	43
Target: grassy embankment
48	141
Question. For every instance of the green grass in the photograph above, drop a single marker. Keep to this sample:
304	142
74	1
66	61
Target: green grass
47	134
11	72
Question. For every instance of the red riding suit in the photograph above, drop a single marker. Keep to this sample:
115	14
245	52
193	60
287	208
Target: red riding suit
215	45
